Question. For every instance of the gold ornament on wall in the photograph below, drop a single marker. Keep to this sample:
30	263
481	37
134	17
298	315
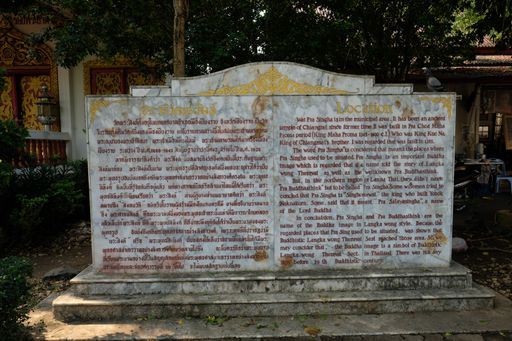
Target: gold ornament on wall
273	82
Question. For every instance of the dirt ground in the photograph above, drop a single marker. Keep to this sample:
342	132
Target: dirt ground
489	254
489	239
72	250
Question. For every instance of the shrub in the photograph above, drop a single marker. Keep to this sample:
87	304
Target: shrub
28	217
36	201
14	296
12	140
41	201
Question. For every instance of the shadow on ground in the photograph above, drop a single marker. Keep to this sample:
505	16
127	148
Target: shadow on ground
487	228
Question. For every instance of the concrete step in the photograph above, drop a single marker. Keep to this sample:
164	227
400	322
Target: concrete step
72	307
90	282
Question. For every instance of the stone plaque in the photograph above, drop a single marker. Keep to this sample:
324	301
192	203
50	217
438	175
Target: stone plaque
271	167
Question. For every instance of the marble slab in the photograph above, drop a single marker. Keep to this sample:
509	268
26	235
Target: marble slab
235	181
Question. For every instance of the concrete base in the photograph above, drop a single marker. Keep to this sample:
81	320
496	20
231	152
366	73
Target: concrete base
411	326
89	282
69	307
99	297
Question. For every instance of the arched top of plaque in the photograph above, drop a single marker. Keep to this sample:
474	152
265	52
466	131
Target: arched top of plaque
273	78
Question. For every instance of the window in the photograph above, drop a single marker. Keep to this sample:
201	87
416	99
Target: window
498	126
483	132
113	80
19	96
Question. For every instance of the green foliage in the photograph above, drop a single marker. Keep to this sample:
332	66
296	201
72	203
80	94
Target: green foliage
215	320
6	175
222	33
27	216
139	30
12	140
382	37
39	202
495	21
14	296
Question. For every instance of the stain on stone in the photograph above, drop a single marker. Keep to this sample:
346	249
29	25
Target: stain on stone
260	256
110	131
407	112
258	108
437	123
287	262
398	104
259	131
177	250
436	240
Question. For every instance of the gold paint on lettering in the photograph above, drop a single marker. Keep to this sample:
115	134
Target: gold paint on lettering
446	102
198	109
372	108
273	82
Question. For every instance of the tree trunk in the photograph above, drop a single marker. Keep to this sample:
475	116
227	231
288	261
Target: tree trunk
180	16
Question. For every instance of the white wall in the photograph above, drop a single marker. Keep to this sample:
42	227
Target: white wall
79	135
72	110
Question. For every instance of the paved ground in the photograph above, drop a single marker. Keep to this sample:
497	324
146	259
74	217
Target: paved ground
489	256
478	325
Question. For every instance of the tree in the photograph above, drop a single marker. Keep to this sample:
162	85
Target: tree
382	37
403	34
223	33
494	19
139	30
180	16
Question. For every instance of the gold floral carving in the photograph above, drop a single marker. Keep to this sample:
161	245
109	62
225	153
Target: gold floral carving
5	22
446	102
6	106
273	82
14	50
108	83
133	78
30	86
16	54
139	78
100	63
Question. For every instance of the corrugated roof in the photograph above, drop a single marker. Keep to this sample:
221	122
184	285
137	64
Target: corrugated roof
487	42
490	60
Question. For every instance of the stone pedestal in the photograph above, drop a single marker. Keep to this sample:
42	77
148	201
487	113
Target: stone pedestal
95	296
270	189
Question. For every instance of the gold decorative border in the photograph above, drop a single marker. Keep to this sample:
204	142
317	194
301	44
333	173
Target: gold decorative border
445	101
8	29
273	82
97	104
